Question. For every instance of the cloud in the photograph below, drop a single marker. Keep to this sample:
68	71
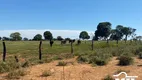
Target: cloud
31	33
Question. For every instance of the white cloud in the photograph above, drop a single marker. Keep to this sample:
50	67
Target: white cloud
31	33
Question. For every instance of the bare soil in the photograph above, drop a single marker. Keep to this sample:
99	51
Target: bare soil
76	71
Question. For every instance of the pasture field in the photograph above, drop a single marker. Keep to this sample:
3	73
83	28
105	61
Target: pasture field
104	57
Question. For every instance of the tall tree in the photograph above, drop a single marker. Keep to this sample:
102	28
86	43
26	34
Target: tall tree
0	38
48	35
25	39
15	36
37	37
127	31
5	38
116	35
59	38
84	35
103	30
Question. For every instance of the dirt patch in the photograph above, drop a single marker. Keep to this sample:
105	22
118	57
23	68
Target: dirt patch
75	71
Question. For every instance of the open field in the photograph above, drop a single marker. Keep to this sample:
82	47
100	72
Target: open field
85	65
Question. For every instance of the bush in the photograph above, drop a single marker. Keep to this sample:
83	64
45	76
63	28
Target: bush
125	60
16	74
8	66
98	60
138	50
62	63
108	77
140	55
26	64
82	59
46	73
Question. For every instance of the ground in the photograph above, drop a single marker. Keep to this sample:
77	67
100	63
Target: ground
28	51
78	71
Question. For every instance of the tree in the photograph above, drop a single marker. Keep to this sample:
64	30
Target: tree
59	38
139	38
67	39
15	36
48	35
127	31
6	38
84	35
25	39
0	38
37	37
116	34
103	30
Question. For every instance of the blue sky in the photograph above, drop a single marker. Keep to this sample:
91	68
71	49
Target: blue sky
75	15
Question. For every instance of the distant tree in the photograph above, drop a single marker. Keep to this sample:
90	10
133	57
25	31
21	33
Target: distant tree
0	38
16	36
84	35
67	39
37	37
6	38
103	30
139	38
127	31
59	38
117	34
48	35
25	39
54	39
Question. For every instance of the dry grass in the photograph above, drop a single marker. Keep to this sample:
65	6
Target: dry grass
82	71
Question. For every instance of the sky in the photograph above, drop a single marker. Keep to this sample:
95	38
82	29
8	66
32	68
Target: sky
67	18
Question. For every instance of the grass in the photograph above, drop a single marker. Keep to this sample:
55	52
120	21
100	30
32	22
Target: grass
46	73
16	74
108	77
62	63
27	52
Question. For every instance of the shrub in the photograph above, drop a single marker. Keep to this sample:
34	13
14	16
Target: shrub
8	66
46	73
140	55
26	64
125	60
98	60
62	63
16	74
82	59
108	77
138	50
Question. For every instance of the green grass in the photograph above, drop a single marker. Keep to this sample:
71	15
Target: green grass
28	50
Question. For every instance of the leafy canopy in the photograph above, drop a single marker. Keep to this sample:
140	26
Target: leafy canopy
48	35
15	36
84	35
103	30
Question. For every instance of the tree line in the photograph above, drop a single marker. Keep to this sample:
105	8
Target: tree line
104	32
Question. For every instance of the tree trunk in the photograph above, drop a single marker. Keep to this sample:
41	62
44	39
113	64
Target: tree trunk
117	41
4	51
72	47
40	54
92	44
126	38
107	41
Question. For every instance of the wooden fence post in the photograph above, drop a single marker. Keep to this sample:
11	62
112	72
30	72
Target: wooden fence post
71	47
4	51
40	54
16	58
92	45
